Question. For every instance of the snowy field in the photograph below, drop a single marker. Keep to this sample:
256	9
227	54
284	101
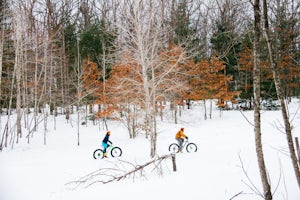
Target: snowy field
224	167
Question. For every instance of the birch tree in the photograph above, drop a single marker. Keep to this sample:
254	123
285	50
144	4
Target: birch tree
7	89
2	28
143	38
18	68
280	93
256	88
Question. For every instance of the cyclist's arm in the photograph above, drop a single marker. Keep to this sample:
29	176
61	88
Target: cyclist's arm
184	136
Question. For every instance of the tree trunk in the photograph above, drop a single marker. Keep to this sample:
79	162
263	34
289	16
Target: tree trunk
210	109
45	113
1	61
175	113
18	106
44	89
205	111
256	90
1	56
153	117
36	67
153	136
17	65
78	93
280	95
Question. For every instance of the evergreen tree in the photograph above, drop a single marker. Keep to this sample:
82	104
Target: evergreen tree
185	33
225	42
97	41
6	54
71	38
245	68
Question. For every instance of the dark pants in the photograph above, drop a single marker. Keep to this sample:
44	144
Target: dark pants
180	142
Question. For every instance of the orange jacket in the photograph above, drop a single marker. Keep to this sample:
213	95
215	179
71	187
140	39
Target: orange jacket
180	134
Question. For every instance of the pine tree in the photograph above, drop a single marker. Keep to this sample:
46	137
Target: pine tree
225	41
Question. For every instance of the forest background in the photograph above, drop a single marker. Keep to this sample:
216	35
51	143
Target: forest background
134	58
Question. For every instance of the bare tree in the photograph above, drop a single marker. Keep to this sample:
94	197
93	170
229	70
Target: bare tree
7	23
143	37
18	67
280	94
256	89
2	28
79	91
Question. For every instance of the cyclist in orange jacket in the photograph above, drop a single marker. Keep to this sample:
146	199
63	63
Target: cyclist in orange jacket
180	138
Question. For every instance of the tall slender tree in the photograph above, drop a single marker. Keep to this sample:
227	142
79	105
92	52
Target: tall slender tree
267	193
2	30
19	31
280	94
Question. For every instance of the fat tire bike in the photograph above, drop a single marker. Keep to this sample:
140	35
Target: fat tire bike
190	147
112	150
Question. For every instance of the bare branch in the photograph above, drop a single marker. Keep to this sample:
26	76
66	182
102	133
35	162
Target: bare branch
251	185
108	175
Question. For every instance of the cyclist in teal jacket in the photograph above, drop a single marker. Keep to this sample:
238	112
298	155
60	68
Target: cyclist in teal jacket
105	142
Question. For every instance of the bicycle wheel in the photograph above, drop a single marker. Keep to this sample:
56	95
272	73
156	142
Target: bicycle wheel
191	147
174	148
98	153
116	152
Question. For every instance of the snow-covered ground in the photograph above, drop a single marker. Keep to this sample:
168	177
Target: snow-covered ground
224	167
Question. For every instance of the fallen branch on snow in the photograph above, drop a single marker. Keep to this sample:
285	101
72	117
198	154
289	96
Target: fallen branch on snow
108	175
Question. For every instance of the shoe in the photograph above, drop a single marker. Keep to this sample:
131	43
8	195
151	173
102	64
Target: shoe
104	155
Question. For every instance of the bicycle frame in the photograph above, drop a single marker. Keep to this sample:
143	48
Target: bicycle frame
188	146
185	142
109	148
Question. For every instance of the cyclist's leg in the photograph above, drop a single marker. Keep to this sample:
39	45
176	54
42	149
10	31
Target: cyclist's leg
180	142
104	148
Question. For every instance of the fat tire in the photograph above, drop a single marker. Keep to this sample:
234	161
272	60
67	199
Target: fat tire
98	153
191	147
174	148
116	152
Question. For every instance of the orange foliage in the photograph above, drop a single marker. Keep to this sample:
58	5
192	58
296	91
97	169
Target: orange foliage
125	81
106	112
172	70
208	80
288	72
93	85
90	77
